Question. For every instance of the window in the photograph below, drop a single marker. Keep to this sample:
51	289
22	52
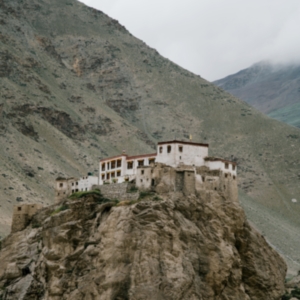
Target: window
113	175
179	157
119	163
152	182
113	164
77	183
180	148
72	183
73	191
107	176
233	177
118	173
151	161
160	149
130	165
141	180
61	185
85	189
103	176
226	175
226	165
233	167
203	178
141	162
142	172
76	190
108	166
20	208
103	167
57	194
169	148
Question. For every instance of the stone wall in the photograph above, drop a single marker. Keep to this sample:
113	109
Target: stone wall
119	191
22	215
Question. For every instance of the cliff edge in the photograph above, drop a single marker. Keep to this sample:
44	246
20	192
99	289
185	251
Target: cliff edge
166	246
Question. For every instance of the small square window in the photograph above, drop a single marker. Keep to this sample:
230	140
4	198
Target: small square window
226	165
169	149
180	148
61	185
19	208
142	172
130	165
118	173
141	162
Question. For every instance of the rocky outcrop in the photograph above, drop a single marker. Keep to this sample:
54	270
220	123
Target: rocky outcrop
162	247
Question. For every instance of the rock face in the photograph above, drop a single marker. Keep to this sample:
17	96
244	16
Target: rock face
166	246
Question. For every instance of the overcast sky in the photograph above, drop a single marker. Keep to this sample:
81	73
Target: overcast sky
212	38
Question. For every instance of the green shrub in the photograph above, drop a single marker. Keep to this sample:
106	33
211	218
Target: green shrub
36	225
79	195
156	198
145	194
296	293
133	189
59	209
286	297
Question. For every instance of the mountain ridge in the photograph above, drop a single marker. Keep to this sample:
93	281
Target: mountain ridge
76	87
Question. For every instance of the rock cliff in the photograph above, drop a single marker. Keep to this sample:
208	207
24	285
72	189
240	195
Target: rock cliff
166	246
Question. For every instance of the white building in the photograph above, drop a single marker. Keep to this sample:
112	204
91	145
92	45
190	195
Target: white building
122	168
175	153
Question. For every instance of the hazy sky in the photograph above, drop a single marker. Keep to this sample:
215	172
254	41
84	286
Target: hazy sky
212	38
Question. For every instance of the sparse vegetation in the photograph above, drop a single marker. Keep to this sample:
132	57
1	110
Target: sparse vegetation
145	194
59	209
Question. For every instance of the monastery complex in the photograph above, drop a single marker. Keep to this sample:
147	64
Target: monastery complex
140	168
177	166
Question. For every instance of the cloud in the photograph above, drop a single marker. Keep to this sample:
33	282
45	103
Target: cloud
212	38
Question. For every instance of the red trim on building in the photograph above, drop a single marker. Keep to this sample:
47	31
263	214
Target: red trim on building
112	157
183	143
219	159
128	157
141	156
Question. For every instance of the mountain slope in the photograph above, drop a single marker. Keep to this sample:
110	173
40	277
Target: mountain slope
76	86
272	89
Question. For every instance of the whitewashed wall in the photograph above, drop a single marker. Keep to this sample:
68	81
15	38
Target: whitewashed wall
190	155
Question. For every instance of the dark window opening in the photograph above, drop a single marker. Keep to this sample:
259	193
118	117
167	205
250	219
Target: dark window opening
226	175
119	163
142	172
77	183
107	176
233	167
118	173
76	190
233	177
152	182
141	162
169	149
85	189
130	165
73	191
103	176
61	185
151	161
103	167
113	175
215	188
113	164
226	165
20	208
179	157
160	149
203	178
180	148
141	180
72	183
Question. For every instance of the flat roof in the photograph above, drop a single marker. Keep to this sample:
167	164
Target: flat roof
183	143
112	157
